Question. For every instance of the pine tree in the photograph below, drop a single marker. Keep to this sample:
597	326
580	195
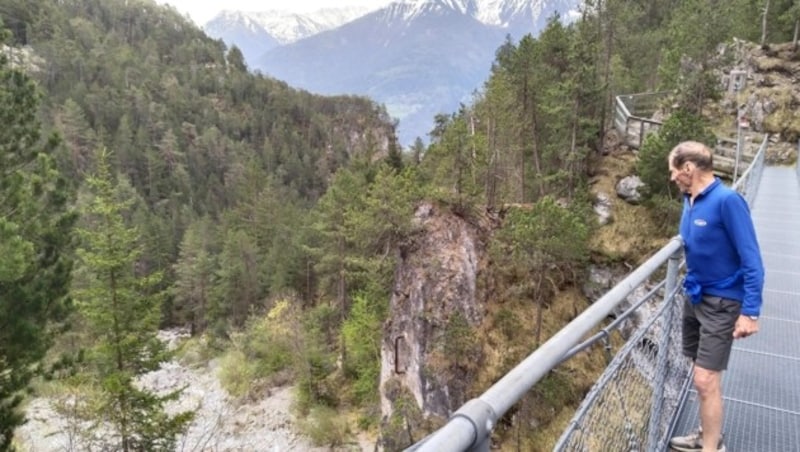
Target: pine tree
35	240
122	312
194	271
542	247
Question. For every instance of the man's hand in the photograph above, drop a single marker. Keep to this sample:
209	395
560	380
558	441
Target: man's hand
745	326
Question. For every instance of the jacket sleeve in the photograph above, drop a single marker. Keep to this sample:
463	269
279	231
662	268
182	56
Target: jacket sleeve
739	225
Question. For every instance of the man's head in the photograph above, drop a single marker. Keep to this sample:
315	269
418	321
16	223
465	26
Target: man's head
691	165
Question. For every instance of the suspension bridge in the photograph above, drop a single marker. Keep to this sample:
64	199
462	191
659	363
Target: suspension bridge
645	395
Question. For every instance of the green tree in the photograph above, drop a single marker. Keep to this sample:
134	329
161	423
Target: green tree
122	312
362	334
194	273
380	225
337	262
237	283
35	241
78	137
652	164
540	249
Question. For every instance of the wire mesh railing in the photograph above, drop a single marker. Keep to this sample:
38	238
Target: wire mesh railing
633	404
747	184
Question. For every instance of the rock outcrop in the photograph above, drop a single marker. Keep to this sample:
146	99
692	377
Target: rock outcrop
436	281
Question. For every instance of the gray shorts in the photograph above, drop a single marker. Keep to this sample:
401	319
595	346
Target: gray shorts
708	331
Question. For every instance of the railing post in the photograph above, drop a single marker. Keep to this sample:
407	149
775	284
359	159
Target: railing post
798	159
654	428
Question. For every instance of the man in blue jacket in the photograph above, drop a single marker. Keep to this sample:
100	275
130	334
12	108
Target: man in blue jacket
724	282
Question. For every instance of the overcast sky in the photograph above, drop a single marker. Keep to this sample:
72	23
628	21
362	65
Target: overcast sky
201	11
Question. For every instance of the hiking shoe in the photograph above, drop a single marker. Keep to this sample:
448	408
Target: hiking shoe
693	442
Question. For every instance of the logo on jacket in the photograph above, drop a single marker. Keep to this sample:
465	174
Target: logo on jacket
700	222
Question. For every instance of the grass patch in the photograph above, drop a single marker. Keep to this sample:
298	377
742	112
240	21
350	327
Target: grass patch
194	351
325	427
632	233
235	373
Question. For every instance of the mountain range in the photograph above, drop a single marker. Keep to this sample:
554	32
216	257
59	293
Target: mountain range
257	32
418	57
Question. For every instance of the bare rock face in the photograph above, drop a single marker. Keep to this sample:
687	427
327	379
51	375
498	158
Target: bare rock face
628	189
602	206
435	280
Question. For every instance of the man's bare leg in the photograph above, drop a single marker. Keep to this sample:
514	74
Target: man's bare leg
709	389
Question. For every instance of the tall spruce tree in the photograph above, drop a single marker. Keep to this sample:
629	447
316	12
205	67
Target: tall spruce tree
122	309
35	238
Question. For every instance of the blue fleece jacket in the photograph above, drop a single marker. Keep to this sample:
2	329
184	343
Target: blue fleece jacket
719	242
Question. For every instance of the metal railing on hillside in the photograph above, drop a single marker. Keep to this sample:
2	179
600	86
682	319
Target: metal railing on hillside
633	116
634	403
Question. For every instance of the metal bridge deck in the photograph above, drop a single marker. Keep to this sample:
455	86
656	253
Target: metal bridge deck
761	387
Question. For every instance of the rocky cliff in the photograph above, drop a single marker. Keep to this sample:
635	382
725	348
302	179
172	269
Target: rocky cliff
438	299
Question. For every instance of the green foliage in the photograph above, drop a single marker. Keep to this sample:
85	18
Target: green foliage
529	134
666	213
194	272
407	423
507	322
194	351
122	313
653	167
325	426
264	353
236	374
222	168
362	335
459	341
237	286
557	390
197	136
455	159
690	58
35	239
546	238
539	249
315	359
358	224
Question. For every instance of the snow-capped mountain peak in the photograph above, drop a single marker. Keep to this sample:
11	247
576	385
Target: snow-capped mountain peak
284	26
497	13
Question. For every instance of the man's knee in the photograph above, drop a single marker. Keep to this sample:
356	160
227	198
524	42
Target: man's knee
707	382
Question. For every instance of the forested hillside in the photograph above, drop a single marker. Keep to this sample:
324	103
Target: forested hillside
149	180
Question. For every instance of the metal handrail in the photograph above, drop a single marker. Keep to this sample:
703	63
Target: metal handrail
605	333
471	425
626	112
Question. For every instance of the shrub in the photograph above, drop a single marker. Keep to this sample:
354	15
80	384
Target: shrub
235	374
653	167
325	427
